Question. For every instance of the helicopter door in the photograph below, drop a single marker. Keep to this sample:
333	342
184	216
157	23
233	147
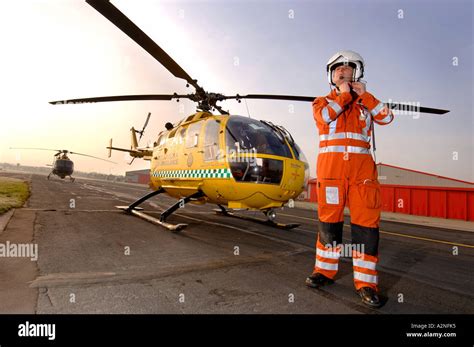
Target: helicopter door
192	142
192	137
211	140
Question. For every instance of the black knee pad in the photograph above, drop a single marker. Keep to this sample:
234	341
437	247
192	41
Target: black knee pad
369	237
330	232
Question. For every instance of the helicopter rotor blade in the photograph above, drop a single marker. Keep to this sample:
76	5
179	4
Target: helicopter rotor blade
116	17
413	108
166	97
391	105
121	21
147	120
41	149
143	129
91	156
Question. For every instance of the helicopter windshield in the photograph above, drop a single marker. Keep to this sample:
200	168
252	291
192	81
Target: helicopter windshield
63	166
246	134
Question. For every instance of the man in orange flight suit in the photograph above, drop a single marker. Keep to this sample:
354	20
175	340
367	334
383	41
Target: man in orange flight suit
347	175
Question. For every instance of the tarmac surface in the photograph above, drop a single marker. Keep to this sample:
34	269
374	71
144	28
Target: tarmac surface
93	258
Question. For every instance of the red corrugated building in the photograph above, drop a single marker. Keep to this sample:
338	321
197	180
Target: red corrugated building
138	176
420	193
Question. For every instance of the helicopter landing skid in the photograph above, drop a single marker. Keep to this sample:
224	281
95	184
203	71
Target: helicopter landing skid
136	211
224	212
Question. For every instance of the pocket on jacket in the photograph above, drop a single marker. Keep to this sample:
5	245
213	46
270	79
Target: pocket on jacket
331	192
369	191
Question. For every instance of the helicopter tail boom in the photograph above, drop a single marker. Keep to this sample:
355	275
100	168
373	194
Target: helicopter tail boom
134	139
136	153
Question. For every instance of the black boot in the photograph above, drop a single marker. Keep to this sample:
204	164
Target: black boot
369	296
318	280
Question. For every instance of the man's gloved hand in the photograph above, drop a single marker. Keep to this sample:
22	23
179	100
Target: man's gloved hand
358	87
345	87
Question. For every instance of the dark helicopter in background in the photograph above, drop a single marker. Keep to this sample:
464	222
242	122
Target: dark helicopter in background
62	165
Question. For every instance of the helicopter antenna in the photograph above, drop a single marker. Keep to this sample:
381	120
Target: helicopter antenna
247	106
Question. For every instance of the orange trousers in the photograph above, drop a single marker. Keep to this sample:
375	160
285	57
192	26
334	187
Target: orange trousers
348	179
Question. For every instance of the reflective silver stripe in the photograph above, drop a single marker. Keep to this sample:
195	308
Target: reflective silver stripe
347	135
386	119
337	136
325	114
355	149
342	149
332	149
357	136
325	266
364	263
335	106
377	109
332	127
365	130
365	278
327	254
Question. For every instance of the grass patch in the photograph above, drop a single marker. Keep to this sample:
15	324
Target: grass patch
13	193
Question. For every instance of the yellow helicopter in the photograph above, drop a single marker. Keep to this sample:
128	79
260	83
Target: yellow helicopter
226	160
233	161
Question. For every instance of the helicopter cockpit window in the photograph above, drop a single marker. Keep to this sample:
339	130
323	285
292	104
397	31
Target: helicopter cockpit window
249	135
172	133
298	152
181	135
192	137
172	140
211	140
161	139
260	170
64	165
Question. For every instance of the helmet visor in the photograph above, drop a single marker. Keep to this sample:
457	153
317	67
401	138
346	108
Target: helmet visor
349	63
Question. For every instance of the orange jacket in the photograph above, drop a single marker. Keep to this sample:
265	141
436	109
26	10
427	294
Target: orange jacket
344	121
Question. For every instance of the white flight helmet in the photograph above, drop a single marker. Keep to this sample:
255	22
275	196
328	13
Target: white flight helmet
350	58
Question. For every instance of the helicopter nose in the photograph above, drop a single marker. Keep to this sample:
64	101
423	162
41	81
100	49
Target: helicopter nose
293	179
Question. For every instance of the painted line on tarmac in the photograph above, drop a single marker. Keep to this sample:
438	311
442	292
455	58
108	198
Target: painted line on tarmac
123	277
291	243
315	220
290	215
427	239
394	234
66	210
423	238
